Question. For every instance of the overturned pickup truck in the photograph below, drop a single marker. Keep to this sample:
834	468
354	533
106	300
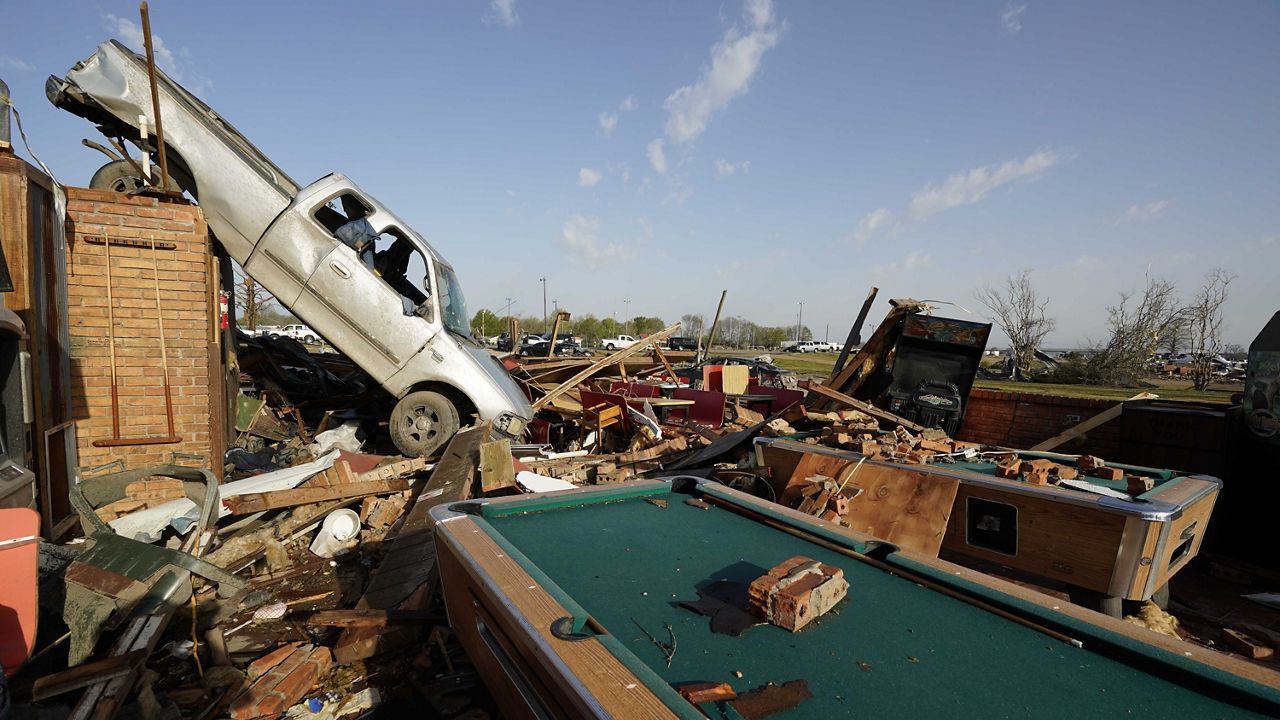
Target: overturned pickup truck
330	253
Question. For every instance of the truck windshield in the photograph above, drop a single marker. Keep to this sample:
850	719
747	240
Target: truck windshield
453	308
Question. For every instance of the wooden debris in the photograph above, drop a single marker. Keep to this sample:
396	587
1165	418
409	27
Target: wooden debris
496	470
258	502
702	692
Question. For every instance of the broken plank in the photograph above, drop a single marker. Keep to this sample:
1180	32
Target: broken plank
1101	418
371	618
258	502
406	577
82	676
866	407
496	469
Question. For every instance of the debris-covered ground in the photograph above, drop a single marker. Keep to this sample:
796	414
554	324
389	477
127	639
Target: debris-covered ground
304	586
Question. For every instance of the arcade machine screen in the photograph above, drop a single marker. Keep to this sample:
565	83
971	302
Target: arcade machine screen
935	362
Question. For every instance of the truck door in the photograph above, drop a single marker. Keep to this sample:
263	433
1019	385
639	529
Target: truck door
377	316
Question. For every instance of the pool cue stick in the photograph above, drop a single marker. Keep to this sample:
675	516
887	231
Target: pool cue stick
905	574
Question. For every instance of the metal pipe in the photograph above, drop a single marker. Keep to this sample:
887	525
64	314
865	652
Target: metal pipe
155	97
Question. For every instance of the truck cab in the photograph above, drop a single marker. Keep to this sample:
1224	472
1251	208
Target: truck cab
339	260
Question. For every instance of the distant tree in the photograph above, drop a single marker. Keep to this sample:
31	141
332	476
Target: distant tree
1204	322
642	325
275	315
1019	311
251	298
588	327
1235	351
691	325
485	322
1176	333
610	327
1136	327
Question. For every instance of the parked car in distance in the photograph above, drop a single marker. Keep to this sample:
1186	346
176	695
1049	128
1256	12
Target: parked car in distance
301	333
329	252
618	342
682	343
806	346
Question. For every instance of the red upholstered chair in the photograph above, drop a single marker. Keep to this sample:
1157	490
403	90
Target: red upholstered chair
707	408
711	378
782	398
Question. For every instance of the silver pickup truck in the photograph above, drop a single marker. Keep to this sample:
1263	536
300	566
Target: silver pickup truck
330	253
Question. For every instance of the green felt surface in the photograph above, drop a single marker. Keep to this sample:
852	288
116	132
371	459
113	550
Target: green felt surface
891	649
1160	476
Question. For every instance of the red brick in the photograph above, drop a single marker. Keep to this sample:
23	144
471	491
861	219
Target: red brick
1108	473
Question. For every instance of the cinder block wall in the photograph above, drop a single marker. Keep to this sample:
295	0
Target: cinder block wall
1021	420
186	294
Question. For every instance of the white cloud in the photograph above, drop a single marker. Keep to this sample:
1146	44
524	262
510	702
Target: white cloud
968	188
9	62
502	12
608	120
1011	18
626	174
726	169
657	158
581	237
1149	211
131	34
870	224
915	260
679	194
588	177
734	62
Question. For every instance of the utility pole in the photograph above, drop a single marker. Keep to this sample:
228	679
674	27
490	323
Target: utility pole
555	304
799	322
544	303
507	310
626	316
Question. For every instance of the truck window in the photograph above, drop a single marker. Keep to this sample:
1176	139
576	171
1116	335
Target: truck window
341	210
401	265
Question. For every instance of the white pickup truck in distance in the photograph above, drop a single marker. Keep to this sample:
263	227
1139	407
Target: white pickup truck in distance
301	333
334	256
618	343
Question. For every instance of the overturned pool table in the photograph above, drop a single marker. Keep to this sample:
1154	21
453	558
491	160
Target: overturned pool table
568	604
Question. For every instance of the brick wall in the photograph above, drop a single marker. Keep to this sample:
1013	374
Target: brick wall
185	295
1021	420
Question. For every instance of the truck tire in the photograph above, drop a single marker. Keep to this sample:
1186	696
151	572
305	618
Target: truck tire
608	346
119	176
422	422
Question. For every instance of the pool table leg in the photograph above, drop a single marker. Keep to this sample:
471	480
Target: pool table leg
1094	600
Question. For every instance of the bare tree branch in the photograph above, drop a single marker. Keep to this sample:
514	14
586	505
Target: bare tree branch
1204	322
1020	313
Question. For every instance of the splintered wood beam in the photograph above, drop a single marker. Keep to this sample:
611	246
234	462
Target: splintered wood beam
1101	418
840	398
371	618
258	502
596	366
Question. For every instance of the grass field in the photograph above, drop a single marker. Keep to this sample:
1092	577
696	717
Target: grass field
820	364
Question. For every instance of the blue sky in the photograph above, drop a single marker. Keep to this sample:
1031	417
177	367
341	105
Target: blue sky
788	152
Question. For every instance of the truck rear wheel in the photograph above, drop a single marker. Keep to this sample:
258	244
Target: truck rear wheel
422	422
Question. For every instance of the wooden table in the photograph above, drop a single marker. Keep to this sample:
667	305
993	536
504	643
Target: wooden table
661	405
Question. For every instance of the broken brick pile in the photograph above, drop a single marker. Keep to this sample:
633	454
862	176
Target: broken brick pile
278	680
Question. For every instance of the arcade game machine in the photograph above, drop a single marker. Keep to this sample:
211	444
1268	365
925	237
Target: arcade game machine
929	371
17	482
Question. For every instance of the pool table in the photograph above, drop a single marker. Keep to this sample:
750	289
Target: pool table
568	605
1104	548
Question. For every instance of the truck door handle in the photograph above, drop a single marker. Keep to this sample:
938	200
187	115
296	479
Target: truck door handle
340	269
